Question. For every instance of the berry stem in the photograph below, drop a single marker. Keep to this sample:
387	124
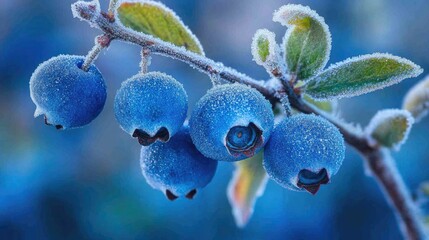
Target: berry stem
216	80
101	42
377	159
146	60
111	10
91	56
286	105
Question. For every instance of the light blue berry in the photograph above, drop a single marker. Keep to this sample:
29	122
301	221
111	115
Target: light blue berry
151	107
66	95
231	122
304	151
176	168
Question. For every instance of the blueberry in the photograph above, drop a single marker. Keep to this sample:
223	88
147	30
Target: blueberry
151	107
304	151
176	168
231	122
66	95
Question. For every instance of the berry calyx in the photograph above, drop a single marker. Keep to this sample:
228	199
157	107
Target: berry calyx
176	168
151	107
304	152
244	140
231	122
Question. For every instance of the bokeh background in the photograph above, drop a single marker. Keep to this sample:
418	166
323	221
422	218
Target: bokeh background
86	183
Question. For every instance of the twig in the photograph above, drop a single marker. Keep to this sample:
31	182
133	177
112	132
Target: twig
378	160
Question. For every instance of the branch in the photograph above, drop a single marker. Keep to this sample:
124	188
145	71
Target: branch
385	172
377	159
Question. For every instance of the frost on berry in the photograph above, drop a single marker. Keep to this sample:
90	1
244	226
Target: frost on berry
176	168
304	151
231	122
64	94
151	107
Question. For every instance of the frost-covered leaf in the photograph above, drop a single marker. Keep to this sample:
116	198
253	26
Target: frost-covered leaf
360	75
247	184
390	127
155	19
264	46
307	43
324	105
417	99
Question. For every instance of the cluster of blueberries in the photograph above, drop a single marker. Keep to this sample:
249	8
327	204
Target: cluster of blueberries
232	122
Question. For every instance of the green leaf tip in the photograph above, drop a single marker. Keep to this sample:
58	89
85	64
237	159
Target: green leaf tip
264	47
361	75
390	128
247	184
155	19
417	100
324	105
307	42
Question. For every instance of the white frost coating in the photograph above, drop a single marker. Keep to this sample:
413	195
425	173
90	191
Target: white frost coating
290	12
273	50
273	85
388	115
417	70
243	214
92	9
168	11
417	100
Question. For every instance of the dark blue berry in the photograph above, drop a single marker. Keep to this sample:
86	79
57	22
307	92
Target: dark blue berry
67	96
176	168
151	107
231	122
304	151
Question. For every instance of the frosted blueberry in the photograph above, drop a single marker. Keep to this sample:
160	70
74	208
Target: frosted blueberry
67	96
231	122
304	151
151	107
176	168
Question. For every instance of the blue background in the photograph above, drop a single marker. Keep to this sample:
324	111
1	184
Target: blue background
86	183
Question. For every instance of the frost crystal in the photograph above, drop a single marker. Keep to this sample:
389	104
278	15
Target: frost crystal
360	75
307	42
390	128
157	20
86	11
417	100
264	47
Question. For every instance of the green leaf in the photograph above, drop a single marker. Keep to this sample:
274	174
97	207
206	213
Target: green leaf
326	106
360	75
155	19
264	47
417	100
390	127
307	42
246	186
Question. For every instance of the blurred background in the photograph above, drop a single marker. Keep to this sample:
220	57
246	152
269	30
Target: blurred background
86	183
